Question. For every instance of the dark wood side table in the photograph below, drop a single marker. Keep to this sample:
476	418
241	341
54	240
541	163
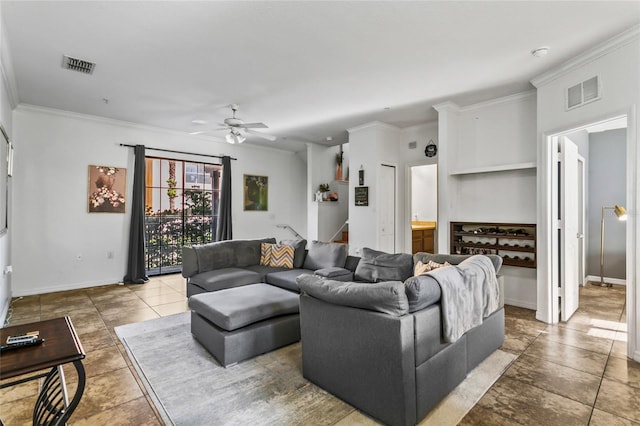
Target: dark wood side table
61	346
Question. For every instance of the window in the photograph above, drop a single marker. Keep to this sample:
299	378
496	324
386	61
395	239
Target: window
181	209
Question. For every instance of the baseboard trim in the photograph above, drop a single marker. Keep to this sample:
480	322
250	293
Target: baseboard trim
616	281
520	303
65	287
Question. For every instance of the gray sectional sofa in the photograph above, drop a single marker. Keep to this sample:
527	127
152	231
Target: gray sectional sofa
380	346
235	263
371	333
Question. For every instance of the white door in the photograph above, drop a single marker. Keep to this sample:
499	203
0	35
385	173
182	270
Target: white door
568	223
387	209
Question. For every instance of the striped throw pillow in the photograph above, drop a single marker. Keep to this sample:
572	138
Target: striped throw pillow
276	255
265	254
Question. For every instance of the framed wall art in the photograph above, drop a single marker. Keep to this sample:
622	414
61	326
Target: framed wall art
256	193
362	195
107	185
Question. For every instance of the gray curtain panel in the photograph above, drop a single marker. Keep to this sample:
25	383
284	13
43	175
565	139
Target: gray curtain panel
224	231
136	273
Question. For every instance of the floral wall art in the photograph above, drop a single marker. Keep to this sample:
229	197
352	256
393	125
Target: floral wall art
256	192
107	186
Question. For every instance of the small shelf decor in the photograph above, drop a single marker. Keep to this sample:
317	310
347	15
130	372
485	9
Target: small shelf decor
514	242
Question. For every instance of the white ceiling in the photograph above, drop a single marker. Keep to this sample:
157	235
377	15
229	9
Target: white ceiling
307	69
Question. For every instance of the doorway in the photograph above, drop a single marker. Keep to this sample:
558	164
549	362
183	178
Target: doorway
604	147
423	200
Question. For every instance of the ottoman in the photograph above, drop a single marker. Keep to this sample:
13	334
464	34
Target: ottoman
239	323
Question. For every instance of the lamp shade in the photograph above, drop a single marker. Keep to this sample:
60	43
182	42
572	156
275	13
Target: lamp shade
621	212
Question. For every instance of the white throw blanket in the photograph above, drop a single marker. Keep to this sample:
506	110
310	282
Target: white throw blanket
469	293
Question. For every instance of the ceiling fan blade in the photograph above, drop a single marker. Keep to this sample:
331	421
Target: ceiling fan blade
222	128
262	135
252	126
199	132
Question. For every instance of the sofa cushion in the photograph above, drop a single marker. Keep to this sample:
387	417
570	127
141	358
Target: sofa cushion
263	270
386	297
335	273
325	255
422	291
286	279
234	308
219	279
376	266
455	259
299	248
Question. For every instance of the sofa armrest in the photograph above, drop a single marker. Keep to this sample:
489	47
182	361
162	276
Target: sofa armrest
335	273
189	262
338	344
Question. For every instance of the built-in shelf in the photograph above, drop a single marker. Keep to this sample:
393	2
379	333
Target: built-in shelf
490	169
514	242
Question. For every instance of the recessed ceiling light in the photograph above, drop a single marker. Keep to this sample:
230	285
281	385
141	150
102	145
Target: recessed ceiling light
198	122
540	51
329	138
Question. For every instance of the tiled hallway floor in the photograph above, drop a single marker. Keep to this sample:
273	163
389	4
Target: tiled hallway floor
572	373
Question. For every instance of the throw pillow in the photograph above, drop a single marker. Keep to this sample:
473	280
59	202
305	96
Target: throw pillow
434	265
276	255
325	255
265	253
281	256
421	268
299	246
376	266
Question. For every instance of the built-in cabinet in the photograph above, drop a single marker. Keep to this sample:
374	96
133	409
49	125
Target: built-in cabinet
423	238
514	242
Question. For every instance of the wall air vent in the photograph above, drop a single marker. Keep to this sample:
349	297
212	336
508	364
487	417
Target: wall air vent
583	93
80	65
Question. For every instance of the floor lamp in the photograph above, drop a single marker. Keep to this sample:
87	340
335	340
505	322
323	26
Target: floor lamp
621	213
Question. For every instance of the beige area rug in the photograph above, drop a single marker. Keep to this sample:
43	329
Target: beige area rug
189	387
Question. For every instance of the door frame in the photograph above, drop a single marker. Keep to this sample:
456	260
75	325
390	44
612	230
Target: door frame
407	209
547	251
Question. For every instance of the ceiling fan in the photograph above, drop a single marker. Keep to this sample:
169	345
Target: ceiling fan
235	126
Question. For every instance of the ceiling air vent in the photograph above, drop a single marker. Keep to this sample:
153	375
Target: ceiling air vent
583	93
75	64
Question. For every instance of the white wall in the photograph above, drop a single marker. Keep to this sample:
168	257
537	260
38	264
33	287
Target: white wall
50	194
424	193
6	119
371	145
497	133
617	63
607	187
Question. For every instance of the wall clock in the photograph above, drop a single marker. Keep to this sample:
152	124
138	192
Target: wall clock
431	149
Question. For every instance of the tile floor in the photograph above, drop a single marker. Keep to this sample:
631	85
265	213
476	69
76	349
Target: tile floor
572	373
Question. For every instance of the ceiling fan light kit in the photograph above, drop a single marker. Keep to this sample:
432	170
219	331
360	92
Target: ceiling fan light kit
235	125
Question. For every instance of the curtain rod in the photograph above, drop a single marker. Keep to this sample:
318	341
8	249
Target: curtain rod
177	152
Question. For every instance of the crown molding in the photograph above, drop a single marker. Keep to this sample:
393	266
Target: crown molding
136	126
446	106
630	35
373	124
497	101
